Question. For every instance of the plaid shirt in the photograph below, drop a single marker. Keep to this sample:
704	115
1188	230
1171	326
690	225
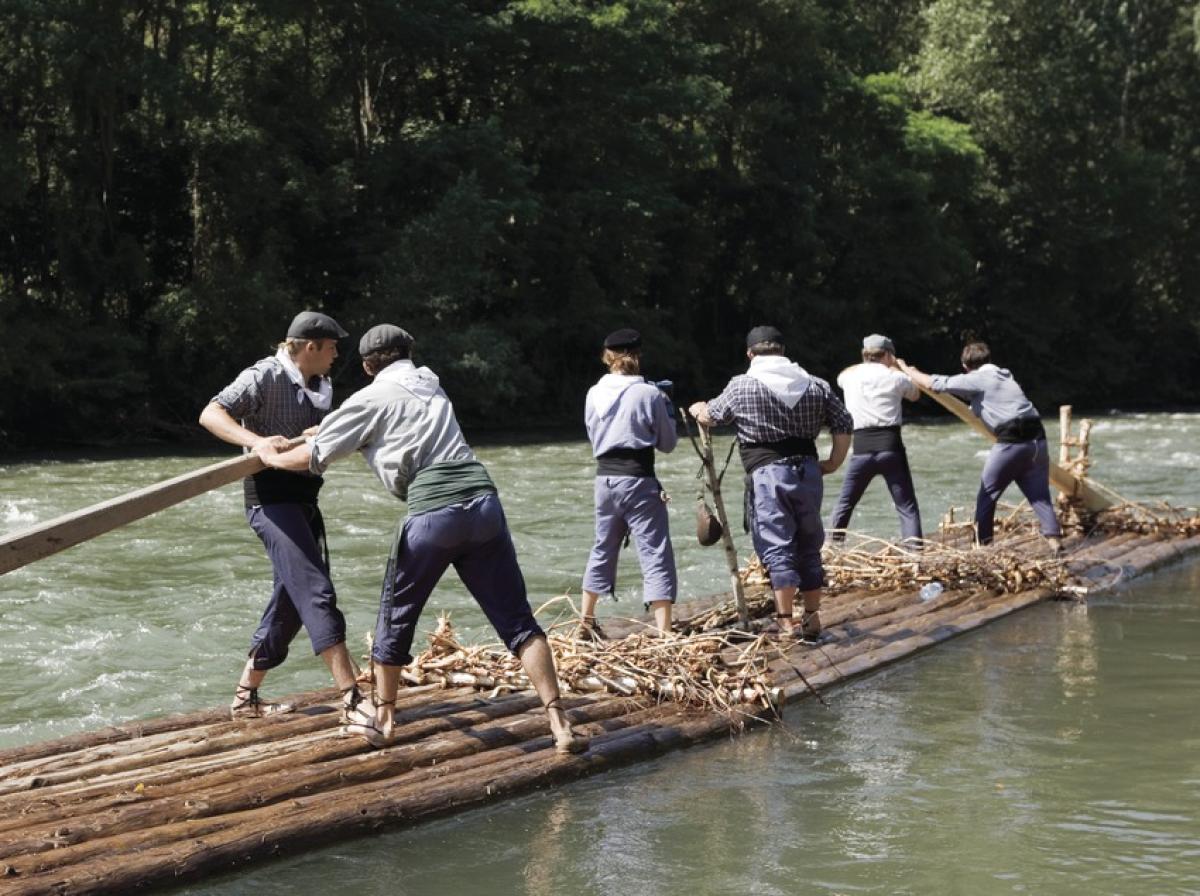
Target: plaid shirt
761	417
268	403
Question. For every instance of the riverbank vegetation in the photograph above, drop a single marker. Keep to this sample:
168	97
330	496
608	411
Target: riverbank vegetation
511	180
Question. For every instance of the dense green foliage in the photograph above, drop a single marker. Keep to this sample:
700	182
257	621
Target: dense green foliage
511	180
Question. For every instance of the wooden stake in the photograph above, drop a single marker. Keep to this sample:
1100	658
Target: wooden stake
1064	434
731	558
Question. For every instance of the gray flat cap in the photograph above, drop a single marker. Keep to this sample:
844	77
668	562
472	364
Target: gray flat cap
315	325
879	343
382	337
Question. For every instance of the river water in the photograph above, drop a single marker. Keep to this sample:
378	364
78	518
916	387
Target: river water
1057	751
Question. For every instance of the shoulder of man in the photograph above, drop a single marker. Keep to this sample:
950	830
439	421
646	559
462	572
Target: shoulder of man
821	385
261	372
266	367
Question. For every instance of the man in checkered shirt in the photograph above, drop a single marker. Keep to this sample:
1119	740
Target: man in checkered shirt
277	399
778	409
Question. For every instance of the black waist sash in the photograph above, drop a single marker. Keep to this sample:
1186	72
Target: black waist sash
877	438
759	454
1020	429
626	462
280	487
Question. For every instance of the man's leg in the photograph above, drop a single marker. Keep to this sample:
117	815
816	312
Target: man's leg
280	622
1004	462
810	622
600	575
387	685
804	502
898	476
538	662
785	607
648	523
662	614
489	569
859	473
1034	484
773	531
420	555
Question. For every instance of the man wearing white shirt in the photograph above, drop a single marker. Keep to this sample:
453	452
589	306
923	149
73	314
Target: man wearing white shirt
874	392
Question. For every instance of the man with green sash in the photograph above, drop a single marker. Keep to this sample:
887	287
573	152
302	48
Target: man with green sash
406	429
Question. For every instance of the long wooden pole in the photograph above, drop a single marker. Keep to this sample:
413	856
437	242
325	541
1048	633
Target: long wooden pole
731	558
27	545
1084	490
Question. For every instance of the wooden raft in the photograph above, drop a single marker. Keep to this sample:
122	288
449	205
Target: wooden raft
153	803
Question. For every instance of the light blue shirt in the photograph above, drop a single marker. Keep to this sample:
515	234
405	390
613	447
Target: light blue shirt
994	395
627	412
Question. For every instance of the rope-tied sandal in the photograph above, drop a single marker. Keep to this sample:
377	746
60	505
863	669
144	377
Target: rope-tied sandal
362	721
351	698
777	629
589	630
248	705
566	741
810	628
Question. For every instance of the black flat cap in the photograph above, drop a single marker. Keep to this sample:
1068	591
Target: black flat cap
623	339
315	325
381	337
763	334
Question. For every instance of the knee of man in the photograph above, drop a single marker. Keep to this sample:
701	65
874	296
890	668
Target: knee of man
268	657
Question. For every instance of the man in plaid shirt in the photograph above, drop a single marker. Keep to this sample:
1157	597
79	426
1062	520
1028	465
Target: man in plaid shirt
778	409
277	399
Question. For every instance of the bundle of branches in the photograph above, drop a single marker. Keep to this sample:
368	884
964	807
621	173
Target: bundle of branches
1145	519
707	669
1003	566
702	670
450	663
863	562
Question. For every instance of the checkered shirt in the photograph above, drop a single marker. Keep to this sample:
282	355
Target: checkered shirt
761	417
267	402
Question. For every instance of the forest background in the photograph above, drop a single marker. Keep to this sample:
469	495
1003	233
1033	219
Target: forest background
512	180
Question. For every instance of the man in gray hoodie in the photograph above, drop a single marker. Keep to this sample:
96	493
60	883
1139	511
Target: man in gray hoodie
627	419
1020	453
404	425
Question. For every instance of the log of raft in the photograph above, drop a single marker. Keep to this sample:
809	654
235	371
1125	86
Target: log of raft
151	803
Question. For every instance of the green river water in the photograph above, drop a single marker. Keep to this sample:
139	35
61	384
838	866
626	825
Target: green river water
1057	751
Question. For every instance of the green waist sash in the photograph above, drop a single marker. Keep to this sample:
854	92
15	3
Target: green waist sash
449	482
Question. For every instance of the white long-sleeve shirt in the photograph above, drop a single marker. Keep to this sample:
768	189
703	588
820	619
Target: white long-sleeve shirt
875	392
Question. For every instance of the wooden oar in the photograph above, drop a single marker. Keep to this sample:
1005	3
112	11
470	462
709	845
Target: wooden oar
44	539
1077	487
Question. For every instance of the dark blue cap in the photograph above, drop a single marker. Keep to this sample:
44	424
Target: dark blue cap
623	339
762	334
